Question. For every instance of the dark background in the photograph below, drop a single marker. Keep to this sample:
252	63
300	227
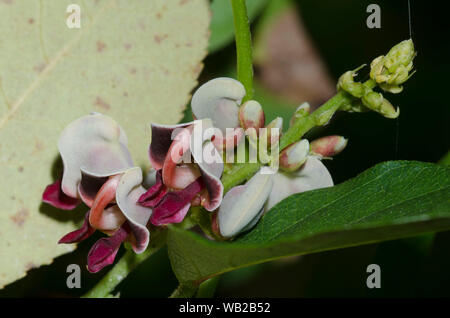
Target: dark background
410	267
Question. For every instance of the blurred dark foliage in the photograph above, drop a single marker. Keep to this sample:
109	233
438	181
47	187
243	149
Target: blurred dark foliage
416	267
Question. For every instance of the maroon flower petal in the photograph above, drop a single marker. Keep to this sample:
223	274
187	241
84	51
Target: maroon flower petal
176	217
54	196
79	235
105	249
154	201
153	191
172	207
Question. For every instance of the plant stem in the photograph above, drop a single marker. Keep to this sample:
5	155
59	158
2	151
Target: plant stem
318	118
125	265
239	174
243	47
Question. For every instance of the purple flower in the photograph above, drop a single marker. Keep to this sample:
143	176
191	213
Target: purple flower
98	171
180	183
182	177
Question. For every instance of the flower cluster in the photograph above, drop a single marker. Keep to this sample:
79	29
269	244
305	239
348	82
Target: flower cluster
99	171
389	72
187	167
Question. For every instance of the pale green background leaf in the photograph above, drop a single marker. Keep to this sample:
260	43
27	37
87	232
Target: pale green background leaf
136	61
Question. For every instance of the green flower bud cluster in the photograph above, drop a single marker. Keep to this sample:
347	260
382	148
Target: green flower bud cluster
364	97
393	69
388	72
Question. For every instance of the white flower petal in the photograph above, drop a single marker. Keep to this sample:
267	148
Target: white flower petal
94	144
242	205
219	99
313	175
127	194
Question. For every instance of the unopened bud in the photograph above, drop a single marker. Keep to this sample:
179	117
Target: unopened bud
347	84
328	146
392	70
401	54
251	115
378	103
355	106
301	111
294	156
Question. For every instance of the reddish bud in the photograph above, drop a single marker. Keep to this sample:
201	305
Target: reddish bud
328	146
251	115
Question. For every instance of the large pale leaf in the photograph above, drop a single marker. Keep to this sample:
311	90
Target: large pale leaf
389	201
136	61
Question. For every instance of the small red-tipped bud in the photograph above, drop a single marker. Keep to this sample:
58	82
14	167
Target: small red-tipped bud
328	146
294	156
251	115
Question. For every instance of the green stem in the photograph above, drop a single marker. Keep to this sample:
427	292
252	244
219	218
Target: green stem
125	265
239	174
243	47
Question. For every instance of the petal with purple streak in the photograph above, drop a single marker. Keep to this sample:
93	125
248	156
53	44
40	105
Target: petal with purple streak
89	187
161	141
54	196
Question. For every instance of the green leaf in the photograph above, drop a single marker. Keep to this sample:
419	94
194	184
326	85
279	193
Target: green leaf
391	200
222	29
136	61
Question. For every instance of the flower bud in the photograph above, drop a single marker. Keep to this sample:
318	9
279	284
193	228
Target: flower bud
328	146
301	111
251	115
378	103
294	156
347	84
392	70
